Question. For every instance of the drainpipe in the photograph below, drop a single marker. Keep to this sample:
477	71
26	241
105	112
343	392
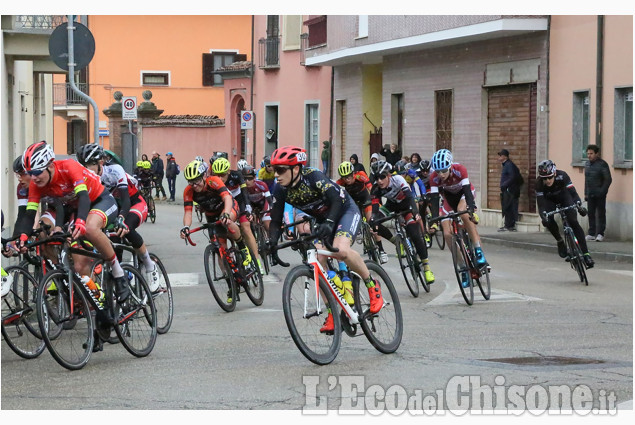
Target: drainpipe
599	82
331	117
251	95
548	88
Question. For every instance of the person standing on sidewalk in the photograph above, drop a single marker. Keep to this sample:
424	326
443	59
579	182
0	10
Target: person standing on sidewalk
597	179
326	157
157	174
511	180
171	171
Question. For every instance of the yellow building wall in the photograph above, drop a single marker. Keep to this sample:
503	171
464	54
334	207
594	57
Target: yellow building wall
371	106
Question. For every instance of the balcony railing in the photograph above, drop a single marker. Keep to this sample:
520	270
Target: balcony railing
37	23
269	52
63	94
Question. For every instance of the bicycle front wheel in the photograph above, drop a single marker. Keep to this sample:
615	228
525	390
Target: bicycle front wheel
136	318
67	332
462	269
406	265
152	212
163	300
370	245
220	279
305	316
20	328
385	328
253	283
575	256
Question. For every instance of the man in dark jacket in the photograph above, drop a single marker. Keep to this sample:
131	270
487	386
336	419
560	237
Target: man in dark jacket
510	191
157	174
357	166
597	179
326	156
392	153
171	171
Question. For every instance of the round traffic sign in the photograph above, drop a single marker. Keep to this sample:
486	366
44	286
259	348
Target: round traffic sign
83	46
129	104
246	116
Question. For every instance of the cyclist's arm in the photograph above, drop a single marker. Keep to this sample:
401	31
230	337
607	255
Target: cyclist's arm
124	200
434	201
469	198
245	194
188	202
332	193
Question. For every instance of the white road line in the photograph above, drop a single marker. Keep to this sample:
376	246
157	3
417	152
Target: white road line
452	295
183	279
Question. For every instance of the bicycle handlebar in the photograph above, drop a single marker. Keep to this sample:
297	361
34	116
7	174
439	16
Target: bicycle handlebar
448	216
203	227
298	241
560	210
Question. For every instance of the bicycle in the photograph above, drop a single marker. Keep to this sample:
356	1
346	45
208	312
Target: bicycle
163	299
225	272
409	261
368	242
308	294
199	212
146	194
261	235
464	259
438	236
63	301
575	257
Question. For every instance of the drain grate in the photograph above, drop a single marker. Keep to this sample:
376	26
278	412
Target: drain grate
545	361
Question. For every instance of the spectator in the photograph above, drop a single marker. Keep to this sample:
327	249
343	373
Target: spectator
157	174
171	171
144	157
511	180
392	153
415	159
357	166
326	157
373	158
597	179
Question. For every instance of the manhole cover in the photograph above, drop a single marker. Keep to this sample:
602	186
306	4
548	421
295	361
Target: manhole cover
545	361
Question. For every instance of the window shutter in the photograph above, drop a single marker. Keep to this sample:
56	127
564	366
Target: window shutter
208	67
240	58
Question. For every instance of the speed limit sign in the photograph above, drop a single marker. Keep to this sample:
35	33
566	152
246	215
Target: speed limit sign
129	107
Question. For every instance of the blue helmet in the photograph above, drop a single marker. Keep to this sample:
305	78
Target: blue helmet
441	159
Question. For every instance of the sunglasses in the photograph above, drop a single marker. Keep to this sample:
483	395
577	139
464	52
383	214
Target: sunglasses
445	170
34	172
280	169
220	175
249	178
382	176
195	182
547	178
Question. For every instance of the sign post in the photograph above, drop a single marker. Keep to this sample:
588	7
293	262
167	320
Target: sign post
129	107
246	120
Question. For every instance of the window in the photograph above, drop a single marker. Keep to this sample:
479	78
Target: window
292	27
317	30
623	131
443	119
362	26
155	78
215	60
581	126
312	133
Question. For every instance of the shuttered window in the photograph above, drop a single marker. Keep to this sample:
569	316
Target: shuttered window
215	60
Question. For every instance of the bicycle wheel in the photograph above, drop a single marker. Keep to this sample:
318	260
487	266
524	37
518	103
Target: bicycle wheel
304	320
575	256
253	284
163	301
73	346
152	212
370	244
483	283
407	268
461	267
136	319
260	235
438	236
220	279
385	328
20	328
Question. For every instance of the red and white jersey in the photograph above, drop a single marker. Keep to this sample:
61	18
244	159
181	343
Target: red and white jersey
453	184
258	193
115	179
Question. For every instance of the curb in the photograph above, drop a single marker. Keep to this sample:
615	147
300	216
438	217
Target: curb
532	246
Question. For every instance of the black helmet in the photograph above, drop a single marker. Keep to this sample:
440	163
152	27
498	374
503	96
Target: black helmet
380	167
424	165
266	160
90	152
17	165
400	167
546	168
248	171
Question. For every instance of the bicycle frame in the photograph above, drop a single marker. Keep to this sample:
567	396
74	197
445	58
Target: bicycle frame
214	240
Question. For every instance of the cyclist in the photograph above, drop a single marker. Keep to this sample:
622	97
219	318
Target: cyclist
215	200
450	179
358	186
259	195
554	187
242	163
235	183
133	209
82	192
333	208
399	198
7	279
266	173
143	175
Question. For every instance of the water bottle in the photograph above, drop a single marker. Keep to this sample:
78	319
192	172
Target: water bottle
333	277
94	288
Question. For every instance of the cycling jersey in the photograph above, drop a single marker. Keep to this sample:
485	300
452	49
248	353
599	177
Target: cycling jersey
124	188
416	185
456	186
359	189
560	192
211	200
236	185
397	193
144	178
259	195
266	177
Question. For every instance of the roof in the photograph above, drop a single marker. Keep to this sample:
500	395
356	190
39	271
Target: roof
185	121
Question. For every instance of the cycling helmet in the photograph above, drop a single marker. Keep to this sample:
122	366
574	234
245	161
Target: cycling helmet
289	155
17	165
400	167
345	169
411	169
222	155
546	168
89	153
199	158
194	170
380	167
220	166
242	163
266	161
147	165
441	159
248	171
38	156
139	163
424	165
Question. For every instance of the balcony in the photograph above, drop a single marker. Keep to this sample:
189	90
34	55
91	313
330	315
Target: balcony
63	94
269	53
32	24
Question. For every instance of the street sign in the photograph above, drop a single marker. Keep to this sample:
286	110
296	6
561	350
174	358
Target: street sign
103	132
129	107
246	120
83	46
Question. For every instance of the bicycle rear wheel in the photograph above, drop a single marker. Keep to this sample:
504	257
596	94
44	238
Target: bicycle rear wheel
220	279
253	284
385	328
136	319
304	320
461	268
406	265
261	239
152	213
73	345
370	245
484	283
20	328
163	300
575	256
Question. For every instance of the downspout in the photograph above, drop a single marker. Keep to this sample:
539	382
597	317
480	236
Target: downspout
599	83
251	96
548	79
331	117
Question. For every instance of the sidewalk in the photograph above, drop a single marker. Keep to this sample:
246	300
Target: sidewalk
607	250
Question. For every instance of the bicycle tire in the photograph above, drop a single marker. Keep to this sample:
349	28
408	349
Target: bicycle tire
163	299
438	236
405	265
199	215
384	329
575	256
152	212
259	234
298	291
253	284
224	283
20	328
484	283
461	265
370	245
73	346
136	319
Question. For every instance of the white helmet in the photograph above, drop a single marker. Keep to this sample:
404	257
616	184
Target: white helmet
199	158
242	163
38	156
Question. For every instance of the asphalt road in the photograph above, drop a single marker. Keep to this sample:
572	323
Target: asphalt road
246	359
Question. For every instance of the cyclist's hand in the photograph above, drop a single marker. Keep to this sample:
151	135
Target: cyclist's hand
225	218
184	232
433	229
249	216
79	228
325	230
582	211
121	226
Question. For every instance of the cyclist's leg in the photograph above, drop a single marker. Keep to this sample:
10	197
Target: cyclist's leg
248	236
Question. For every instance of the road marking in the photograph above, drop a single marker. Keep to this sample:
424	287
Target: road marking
266	310
270	279
452	295
183	279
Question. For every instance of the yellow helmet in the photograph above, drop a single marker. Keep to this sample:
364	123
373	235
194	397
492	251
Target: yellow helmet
194	170
220	166
147	165
140	164
345	168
